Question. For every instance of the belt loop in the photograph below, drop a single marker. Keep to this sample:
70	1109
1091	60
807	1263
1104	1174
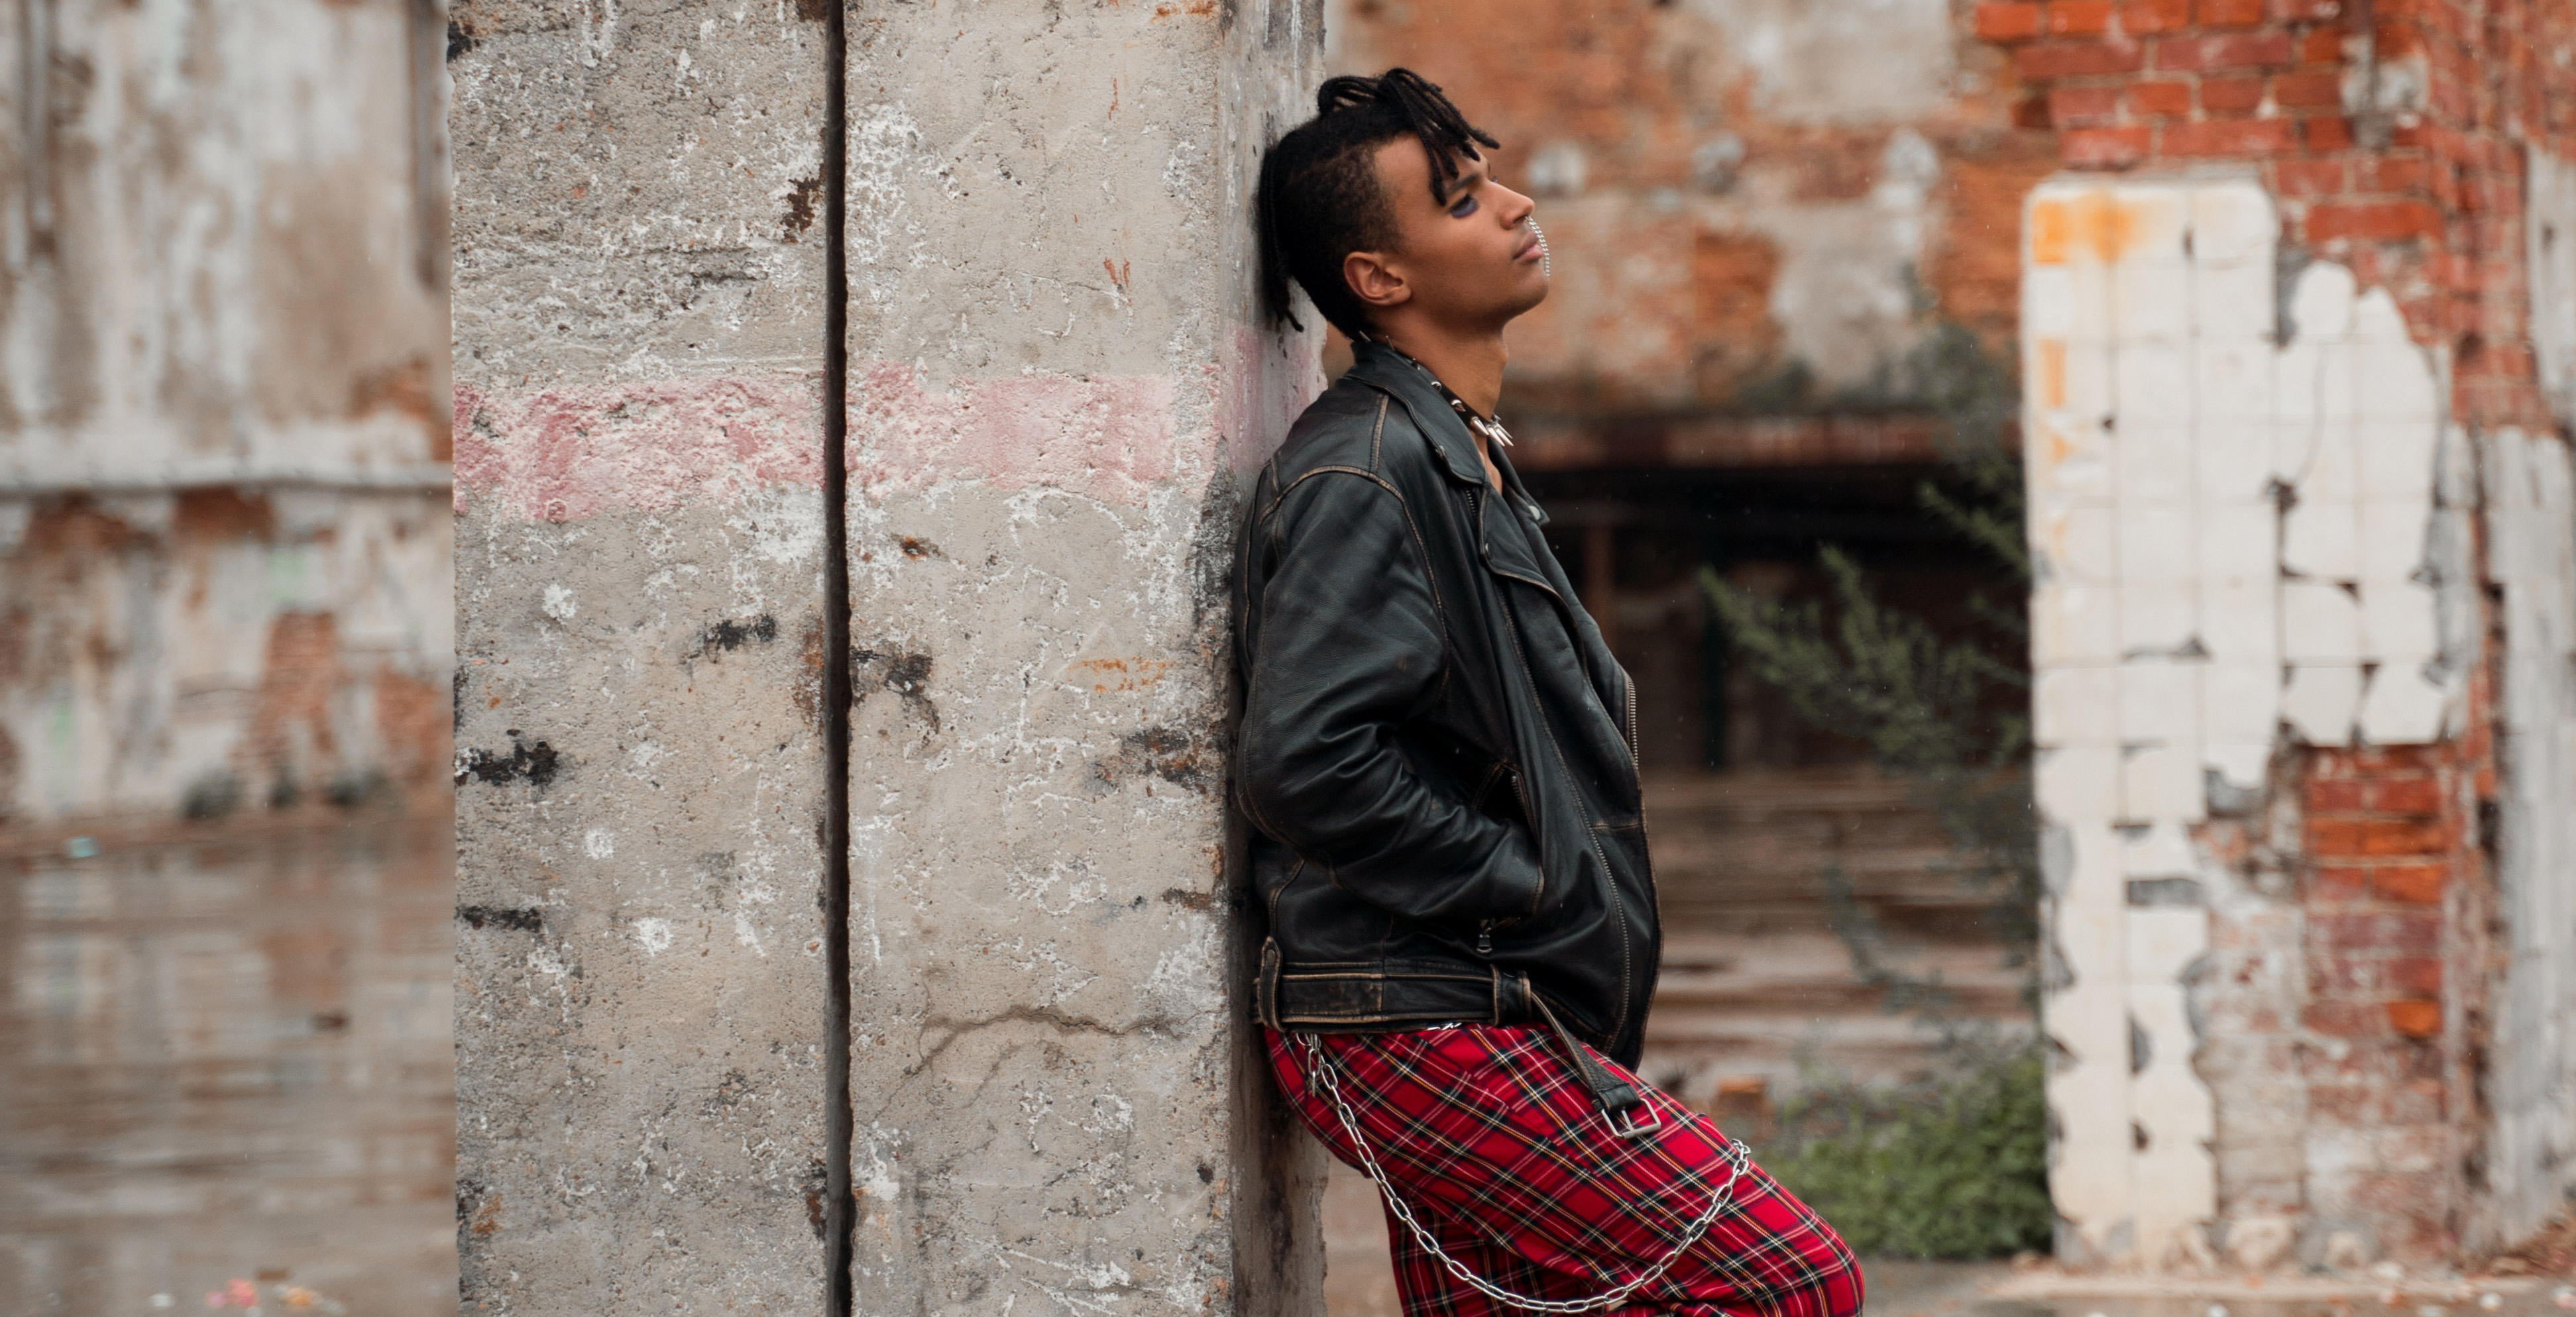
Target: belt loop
1265	991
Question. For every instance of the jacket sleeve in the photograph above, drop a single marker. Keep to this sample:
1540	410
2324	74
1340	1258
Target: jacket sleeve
1346	647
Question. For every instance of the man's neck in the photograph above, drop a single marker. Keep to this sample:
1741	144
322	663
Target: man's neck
1470	364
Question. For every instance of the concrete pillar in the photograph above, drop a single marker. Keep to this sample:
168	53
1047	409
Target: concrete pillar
638	428
1055	379
223	559
1055	375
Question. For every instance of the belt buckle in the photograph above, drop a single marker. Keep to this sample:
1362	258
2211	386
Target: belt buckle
1625	1126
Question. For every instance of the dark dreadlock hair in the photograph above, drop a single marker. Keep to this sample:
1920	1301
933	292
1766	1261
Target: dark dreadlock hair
1319	198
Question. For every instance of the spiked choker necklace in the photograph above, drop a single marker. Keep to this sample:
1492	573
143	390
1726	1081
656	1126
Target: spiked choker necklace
1491	427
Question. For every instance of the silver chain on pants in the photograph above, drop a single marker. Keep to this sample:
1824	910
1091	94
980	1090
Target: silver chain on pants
1320	1067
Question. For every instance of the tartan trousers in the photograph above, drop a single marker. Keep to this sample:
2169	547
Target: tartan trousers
1490	1137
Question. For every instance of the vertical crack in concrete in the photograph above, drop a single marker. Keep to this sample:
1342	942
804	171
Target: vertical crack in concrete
838	1242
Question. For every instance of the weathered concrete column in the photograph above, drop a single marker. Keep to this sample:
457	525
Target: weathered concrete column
1056	375
639	341
1056	378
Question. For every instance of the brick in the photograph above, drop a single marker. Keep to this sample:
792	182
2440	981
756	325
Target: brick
2078	59
2079	18
2080	107
2230	137
2352	1106
2330	132
2230	13
2102	148
2241	50
2230	95
2311	178
2423	1102
2146	17
2333	795
2375	221
2405	836
2404	174
2343	976
2412	884
2415	1019
2007	22
2345	1104
2322	45
2404	796
2160	99
2336	839
2416	976
2307	91
2307	11
2337	884
2412	931
2344	1019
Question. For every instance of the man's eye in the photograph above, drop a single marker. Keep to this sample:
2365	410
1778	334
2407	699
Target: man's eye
1466	206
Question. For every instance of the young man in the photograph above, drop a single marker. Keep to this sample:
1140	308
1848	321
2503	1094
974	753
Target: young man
1439	755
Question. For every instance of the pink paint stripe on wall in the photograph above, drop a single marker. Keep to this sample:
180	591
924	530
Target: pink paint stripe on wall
565	453
1110	438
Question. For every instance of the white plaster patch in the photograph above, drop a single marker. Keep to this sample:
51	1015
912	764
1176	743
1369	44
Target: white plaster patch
782	527
598	843
2549	238
2230	537
559	603
2530	496
653	934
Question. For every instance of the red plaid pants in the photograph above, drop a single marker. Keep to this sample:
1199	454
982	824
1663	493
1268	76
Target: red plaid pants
1493	1141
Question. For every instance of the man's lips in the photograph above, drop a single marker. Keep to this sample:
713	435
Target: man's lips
1528	249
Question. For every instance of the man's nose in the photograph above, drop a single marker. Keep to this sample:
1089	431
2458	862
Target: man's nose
1515	210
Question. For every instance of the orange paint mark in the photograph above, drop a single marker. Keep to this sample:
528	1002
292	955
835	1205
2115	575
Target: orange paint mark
1119	674
2048	233
2054	448
2089	224
2052	372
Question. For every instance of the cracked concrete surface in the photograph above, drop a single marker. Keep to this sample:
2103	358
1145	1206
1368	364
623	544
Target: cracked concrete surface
639	617
1056	378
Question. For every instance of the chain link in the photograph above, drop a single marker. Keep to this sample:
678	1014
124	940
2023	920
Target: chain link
1322	1066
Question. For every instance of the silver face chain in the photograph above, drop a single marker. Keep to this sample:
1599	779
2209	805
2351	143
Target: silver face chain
1541	234
1322	1066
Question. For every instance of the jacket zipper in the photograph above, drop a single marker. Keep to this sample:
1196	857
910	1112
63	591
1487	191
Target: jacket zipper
1627	983
1635	761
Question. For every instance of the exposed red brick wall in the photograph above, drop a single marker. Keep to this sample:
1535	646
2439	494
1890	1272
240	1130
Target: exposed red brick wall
2393	890
2392	135
2420	192
1641	90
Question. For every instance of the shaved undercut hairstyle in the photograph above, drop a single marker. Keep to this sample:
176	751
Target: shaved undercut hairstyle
1319	198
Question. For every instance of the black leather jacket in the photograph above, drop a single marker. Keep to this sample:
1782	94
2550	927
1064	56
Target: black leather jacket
1437	749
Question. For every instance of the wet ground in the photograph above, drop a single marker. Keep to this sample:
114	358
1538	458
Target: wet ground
1359	1282
225	1076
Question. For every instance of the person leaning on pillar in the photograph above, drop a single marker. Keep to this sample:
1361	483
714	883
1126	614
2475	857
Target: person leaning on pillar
1438	755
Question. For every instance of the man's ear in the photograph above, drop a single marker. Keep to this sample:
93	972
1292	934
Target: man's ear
1374	281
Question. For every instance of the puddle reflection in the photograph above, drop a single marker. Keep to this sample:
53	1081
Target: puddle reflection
225	1075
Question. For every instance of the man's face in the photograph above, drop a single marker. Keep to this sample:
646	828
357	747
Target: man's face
1469	259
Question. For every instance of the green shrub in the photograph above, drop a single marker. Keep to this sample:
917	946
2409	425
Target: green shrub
1954	1165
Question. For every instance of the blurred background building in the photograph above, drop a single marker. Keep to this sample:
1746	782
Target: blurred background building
225	637
2276	294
